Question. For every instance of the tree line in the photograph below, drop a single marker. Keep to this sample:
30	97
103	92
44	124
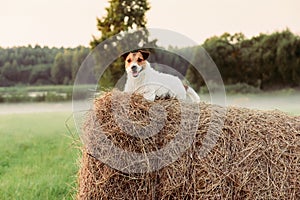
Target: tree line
40	65
266	61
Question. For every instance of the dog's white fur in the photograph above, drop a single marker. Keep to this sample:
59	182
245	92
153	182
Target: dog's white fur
151	83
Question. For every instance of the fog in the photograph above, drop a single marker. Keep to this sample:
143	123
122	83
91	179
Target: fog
289	103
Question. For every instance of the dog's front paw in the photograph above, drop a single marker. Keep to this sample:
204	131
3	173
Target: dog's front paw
150	96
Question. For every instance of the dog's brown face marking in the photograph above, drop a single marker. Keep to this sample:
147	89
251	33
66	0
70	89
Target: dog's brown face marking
135	62
135	58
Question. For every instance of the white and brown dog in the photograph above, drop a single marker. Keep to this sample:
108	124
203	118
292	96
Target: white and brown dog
143	79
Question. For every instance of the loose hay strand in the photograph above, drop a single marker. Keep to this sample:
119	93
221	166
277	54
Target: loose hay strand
256	156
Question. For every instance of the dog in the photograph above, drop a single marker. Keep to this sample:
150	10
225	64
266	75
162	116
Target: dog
143	79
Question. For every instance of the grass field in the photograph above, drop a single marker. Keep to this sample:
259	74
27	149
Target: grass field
37	157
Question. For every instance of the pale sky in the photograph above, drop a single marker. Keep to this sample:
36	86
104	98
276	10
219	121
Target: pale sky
70	23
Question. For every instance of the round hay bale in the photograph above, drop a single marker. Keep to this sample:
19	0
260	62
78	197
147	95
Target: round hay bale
256	156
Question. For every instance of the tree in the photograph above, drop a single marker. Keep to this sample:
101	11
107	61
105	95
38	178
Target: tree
287	59
40	74
10	71
224	50
68	62
58	69
78	57
122	16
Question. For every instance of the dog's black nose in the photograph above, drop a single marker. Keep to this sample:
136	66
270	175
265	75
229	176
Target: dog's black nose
133	67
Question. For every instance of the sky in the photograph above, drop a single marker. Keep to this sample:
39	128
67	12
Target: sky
70	23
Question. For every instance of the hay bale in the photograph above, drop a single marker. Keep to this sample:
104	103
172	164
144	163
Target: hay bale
257	156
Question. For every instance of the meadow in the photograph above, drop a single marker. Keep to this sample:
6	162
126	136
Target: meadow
38	157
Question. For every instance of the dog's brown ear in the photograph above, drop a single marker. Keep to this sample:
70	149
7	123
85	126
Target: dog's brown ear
124	56
145	54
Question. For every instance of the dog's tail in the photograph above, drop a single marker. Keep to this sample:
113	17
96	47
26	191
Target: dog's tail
192	95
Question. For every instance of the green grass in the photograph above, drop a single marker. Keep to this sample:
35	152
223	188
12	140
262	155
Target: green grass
37	158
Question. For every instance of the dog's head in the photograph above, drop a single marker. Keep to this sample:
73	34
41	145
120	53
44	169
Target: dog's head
135	62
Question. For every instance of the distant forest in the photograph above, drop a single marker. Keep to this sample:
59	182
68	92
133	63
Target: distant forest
265	61
40	65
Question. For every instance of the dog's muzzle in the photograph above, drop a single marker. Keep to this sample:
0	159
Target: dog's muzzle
135	73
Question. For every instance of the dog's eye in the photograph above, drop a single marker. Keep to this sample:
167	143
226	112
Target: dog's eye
129	60
140	60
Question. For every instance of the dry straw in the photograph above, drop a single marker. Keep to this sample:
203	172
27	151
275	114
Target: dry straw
257	155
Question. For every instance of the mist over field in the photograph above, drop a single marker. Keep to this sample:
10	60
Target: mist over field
288	103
